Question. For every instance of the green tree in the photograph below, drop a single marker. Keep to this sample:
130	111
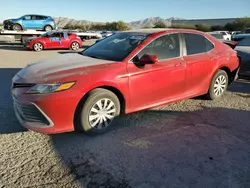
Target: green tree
217	28
147	27
201	27
117	26
184	27
160	25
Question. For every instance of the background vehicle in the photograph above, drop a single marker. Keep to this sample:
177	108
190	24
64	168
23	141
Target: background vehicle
106	33
127	72
243	49
220	37
226	35
54	39
247	30
30	21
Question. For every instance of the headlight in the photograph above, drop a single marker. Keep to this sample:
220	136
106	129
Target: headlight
50	88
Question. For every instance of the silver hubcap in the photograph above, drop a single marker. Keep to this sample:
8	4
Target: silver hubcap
38	47
48	28
220	85
102	114
17	27
75	46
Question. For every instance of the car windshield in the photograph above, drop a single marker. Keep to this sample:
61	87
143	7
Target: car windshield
116	47
46	34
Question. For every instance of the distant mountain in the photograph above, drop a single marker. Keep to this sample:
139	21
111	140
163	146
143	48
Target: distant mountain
148	22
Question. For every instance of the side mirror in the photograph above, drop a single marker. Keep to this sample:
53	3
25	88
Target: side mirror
148	59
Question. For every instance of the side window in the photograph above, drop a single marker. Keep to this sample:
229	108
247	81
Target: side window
209	45
27	17
165	47
33	17
197	44
39	17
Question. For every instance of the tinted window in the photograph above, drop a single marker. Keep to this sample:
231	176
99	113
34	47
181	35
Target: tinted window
165	47
197	44
56	34
40	17
209	45
28	17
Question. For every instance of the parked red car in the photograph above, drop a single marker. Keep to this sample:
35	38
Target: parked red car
124	73
54	40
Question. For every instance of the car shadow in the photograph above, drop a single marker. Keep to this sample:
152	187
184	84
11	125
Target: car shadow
14	48
8	123
163	147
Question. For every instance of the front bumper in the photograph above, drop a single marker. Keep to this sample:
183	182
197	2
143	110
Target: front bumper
45	113
8	25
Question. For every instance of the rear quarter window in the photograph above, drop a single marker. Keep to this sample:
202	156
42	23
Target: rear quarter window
196	44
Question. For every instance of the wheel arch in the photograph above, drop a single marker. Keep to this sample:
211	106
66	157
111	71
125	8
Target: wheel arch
47	25
113	89
229	73
17	23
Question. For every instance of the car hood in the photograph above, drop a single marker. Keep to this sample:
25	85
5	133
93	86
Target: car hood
59	67
12	20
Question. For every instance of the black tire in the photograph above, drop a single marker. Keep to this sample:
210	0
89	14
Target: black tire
35	48
74	46
48	28
212	92
17	27
85	111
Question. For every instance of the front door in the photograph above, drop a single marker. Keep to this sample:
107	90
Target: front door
161	82
55	40
27	22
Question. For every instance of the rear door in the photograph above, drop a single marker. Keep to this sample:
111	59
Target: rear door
200	58
39	21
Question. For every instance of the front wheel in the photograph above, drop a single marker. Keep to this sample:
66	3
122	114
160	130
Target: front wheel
17	27
37	47
99	111
218	85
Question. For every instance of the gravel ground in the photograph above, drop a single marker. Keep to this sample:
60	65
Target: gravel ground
192	143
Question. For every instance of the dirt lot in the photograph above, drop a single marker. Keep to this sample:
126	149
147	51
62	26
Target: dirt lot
193	143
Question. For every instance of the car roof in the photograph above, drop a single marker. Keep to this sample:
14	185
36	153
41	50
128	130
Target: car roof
37	15
159	30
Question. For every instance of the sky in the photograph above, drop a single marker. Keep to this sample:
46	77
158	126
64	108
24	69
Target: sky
126	10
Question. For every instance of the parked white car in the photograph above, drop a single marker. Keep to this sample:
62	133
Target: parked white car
226	35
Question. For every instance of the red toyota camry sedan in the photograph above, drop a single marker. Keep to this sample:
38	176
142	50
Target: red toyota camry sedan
54	40
124	73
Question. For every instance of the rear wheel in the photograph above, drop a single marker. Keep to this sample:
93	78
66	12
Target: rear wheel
218	85
99	111
48	28
75	46
17	27
38	47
